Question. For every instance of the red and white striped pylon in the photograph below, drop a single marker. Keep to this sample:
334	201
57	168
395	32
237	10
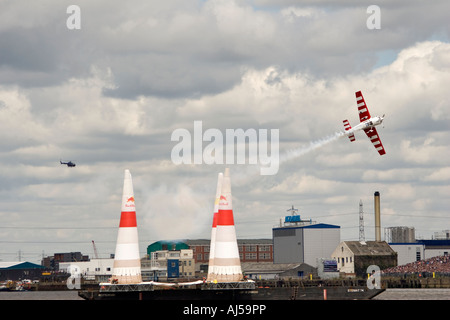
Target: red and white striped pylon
227	265
211	268
127	263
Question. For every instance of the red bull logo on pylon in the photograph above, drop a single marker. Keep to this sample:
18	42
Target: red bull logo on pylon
223	200
130	202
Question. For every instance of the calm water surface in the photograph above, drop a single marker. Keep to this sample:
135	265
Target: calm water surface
414	294
40	295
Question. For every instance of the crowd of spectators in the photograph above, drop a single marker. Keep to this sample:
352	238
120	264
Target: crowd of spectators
439	264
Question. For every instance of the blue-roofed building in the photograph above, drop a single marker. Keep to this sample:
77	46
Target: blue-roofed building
420	250
303	241
20	270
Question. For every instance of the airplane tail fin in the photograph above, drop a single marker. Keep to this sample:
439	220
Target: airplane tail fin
347	127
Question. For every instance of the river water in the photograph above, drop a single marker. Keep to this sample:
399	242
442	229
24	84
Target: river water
414	294
40	295
389	294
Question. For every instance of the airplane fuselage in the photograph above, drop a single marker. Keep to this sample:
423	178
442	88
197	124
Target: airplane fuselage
366	124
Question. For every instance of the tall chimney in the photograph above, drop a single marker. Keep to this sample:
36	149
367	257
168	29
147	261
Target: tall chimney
377	216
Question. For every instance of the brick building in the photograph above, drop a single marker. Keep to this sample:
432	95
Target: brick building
250	250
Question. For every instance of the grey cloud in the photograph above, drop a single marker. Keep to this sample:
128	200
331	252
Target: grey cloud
193	50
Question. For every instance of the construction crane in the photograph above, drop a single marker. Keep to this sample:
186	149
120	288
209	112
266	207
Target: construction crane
95	250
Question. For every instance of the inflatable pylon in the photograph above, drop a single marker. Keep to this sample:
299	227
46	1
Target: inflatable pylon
227	265
127	263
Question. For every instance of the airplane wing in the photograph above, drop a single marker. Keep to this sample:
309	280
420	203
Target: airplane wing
375	139
362	107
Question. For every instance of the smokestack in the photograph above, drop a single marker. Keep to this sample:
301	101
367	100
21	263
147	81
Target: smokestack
211	268
127	263
227	265
377	216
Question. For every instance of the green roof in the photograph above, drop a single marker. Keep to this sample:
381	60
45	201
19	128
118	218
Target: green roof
167	245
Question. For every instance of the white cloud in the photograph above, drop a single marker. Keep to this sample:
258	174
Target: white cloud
424	152
441	174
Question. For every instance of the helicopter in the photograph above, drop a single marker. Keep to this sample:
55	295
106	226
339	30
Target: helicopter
69	164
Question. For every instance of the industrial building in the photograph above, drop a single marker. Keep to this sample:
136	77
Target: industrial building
53	261
166	264
354	257
420	250
270	271
303	241
250	250
20	271
400	234
93	269
163	264
442	235
434	248
403	241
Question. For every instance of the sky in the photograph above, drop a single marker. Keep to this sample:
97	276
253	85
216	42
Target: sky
106	86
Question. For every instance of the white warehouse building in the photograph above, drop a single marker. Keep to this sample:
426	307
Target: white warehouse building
95	269
303	241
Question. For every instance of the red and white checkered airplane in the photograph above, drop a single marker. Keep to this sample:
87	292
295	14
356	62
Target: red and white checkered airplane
367	123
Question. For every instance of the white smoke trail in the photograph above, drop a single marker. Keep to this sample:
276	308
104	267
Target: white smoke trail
245	174
297	152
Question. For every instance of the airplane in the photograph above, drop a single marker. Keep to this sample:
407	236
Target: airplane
367	123
69	164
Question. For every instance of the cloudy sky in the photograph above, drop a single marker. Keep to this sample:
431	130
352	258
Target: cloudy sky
109	95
